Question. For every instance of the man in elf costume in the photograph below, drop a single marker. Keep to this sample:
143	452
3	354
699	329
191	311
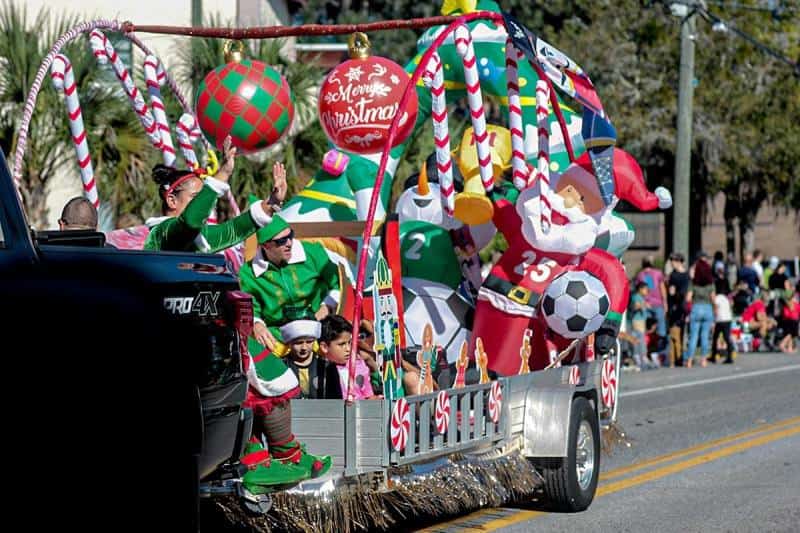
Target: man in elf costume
287	280
552	229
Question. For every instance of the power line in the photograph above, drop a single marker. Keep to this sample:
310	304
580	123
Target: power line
776	7
725	25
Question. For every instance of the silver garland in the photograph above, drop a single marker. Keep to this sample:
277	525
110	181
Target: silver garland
440	488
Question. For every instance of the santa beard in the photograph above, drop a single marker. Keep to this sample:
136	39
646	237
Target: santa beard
576	237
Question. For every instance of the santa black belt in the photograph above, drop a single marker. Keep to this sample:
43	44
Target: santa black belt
515	293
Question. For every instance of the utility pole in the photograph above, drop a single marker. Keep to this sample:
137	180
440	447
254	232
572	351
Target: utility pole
197	12
681	218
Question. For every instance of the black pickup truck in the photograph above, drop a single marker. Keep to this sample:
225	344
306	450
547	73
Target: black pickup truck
128	374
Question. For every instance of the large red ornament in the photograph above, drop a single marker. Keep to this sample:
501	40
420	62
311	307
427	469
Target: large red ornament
247	100
360	98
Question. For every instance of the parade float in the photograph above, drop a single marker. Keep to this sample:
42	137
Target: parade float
525	386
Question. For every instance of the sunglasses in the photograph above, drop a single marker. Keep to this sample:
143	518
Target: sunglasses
283	240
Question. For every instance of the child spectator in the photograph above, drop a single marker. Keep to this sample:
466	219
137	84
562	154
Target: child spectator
653	341
638	310
334	345
722	325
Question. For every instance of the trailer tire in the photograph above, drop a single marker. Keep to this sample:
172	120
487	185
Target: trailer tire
565	488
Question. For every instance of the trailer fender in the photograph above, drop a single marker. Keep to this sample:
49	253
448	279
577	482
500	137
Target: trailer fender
546	427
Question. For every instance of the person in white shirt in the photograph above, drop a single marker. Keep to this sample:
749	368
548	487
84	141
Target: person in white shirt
722	325
758	259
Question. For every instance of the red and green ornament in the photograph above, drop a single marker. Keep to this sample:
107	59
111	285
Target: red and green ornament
246	99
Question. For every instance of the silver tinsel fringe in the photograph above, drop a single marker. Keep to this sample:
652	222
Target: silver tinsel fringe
444	487
613	435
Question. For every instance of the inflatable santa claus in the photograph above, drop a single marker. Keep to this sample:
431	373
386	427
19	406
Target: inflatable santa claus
553	279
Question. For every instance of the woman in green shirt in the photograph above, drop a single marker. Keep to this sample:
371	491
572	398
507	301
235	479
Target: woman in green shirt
187	199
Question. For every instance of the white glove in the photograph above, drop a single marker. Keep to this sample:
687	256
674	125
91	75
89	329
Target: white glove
664	198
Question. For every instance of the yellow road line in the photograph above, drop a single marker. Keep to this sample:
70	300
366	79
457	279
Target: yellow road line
695	461
694	449
610	488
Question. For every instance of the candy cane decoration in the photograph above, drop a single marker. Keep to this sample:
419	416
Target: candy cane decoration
574	375
401	424
434	79
495	402
518	165
608	383
104	52
187	132
154	76
466	49
64	81
442	412
543	163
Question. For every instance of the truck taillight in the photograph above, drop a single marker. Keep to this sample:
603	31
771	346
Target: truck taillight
241	308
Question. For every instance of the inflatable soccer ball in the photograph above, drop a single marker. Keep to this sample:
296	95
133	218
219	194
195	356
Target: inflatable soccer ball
575	304
428	302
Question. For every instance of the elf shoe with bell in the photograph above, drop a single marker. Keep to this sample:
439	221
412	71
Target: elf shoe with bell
265	475
294	453
315	465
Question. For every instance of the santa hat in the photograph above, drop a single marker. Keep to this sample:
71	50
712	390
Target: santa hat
629	182
298	329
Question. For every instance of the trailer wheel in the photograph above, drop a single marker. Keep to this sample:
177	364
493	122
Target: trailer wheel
570	482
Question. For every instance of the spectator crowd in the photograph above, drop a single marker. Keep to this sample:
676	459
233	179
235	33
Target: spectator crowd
714	305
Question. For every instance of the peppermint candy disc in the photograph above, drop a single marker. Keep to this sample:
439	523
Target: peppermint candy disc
608	383
495	402
401	424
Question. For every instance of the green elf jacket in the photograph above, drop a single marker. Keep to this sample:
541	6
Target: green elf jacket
282	294
189	232
295	290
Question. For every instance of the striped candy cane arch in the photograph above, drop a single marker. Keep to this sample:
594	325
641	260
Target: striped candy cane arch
159	130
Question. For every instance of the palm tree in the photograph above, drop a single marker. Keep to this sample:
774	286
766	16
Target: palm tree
117	142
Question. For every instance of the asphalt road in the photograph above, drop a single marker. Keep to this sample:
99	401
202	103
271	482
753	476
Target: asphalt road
712	449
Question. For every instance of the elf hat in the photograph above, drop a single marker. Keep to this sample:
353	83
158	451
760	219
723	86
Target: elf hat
272	229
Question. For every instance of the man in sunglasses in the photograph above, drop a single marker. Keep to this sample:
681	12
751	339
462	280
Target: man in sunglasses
287	279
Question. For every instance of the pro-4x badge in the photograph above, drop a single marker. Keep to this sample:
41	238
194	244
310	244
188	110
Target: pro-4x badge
204	304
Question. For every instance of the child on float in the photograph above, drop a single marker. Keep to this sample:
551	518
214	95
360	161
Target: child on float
318	379
334	345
